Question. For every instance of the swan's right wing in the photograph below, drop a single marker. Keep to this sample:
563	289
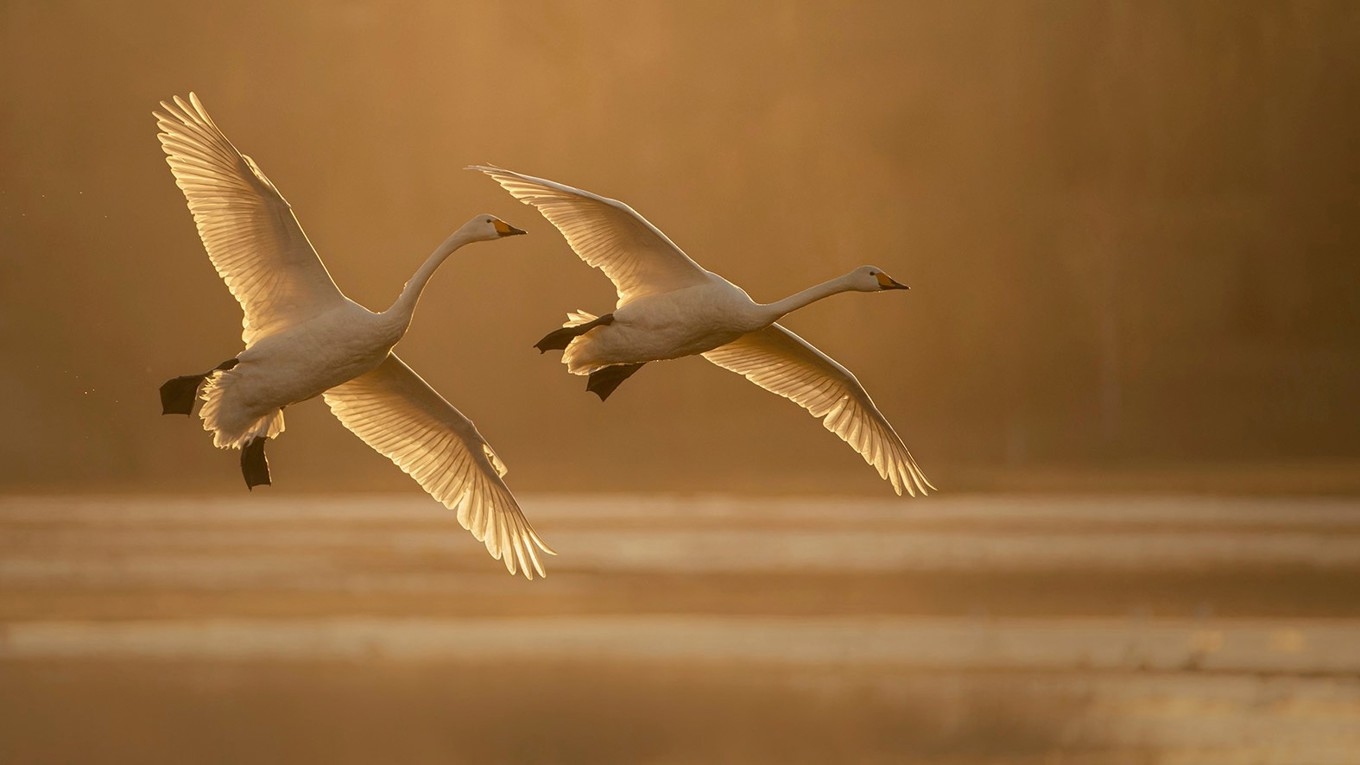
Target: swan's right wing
784	363
606	234
398	414
248	229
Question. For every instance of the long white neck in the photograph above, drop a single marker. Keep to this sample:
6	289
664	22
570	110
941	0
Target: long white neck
780	308
405	305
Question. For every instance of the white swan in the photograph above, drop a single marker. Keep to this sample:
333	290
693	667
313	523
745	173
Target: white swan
304	338
670	307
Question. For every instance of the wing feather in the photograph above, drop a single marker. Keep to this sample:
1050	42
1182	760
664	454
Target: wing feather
398	414
248	229
784	363
607	234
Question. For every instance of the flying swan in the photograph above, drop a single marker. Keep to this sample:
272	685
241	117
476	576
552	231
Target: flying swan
670	307
304	338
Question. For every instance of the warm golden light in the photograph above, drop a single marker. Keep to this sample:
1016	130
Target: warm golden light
1128	360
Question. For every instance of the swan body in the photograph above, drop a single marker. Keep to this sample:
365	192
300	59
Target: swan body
669	307
303	338
291	366
670	325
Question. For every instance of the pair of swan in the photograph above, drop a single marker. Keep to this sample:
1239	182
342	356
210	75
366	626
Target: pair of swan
304	338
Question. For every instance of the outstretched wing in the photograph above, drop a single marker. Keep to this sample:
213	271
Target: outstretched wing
784	363
250	232
606	234
398	414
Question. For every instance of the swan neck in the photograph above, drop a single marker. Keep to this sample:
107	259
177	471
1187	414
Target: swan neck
781	308
405	306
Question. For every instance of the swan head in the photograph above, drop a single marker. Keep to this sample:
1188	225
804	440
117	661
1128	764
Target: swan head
873	279
485	228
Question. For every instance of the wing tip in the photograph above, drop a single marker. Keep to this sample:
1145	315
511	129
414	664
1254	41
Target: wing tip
907	474
520	559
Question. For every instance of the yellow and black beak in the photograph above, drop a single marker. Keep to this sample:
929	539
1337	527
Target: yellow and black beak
505	229
886	282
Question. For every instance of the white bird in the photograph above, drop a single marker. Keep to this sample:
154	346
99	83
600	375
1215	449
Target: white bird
669	307
304	338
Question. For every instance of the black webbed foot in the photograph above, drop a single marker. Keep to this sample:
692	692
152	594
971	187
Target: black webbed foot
604	381
254	466
178	394
559	339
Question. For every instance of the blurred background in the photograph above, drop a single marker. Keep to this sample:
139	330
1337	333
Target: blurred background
1130	228
1129	360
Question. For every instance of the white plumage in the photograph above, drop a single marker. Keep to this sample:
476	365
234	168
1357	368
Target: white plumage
304	338
669	307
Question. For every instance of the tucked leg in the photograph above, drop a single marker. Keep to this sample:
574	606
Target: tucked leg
603	382
178	395
254	466
558	340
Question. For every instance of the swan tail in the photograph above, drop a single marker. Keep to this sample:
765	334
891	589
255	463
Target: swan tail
232	427
578	317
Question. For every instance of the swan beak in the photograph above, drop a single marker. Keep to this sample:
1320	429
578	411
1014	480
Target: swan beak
505	229
886	282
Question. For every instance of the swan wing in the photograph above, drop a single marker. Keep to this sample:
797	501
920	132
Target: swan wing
249	231
608	235
398	414
784	363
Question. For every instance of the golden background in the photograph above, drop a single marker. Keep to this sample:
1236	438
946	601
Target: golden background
1130	228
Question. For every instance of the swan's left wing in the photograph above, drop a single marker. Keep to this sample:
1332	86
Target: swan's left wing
784	363
249	231
606	234
398	414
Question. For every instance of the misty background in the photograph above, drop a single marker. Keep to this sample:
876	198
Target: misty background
1131	228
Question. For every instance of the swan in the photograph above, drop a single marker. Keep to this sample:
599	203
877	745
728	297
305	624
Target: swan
669	307
304	338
